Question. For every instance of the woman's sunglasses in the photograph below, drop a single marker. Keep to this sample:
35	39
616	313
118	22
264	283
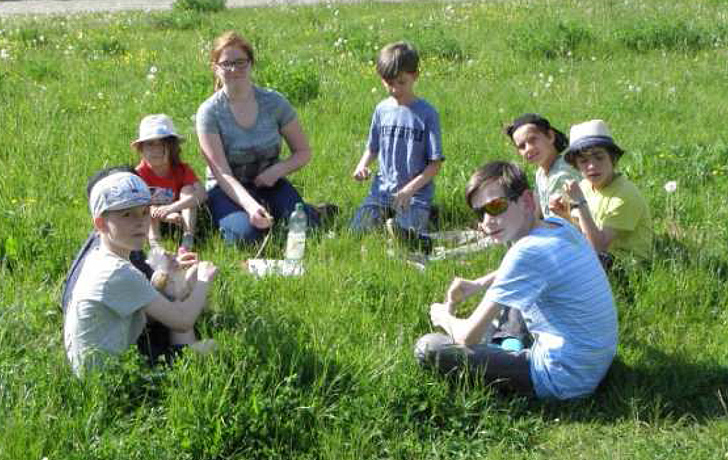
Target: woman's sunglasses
494	207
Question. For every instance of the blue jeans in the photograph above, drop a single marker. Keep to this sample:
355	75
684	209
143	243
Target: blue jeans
234	223
373	213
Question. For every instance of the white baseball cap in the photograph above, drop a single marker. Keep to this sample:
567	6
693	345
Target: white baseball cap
117	191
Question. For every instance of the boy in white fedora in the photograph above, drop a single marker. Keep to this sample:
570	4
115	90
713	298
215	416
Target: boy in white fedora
111	299
611	211
176	191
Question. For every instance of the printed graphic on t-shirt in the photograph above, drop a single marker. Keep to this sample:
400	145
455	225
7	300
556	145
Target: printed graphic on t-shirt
402	132
161	195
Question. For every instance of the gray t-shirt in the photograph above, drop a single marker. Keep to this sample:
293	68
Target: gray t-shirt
405	138
552	183
105	313
248	150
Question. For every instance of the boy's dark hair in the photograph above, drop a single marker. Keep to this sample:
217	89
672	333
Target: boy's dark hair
395	58
561	142
98	175
615	153
510	177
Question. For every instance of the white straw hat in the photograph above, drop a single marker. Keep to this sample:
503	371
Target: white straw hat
157	126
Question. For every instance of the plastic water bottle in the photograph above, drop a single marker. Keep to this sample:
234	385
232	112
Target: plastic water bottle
296	242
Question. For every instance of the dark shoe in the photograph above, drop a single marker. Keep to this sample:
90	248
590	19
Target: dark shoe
413	240
326	211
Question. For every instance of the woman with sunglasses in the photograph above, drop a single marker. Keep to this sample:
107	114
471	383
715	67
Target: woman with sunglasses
240	129
551	274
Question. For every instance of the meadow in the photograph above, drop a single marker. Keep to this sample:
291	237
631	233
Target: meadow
321	366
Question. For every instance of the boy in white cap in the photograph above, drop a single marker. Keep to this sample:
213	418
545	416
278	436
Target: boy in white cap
111	299
611	211
176	191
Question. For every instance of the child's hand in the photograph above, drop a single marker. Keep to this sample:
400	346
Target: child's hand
260	218
459	290
361	173
206	271
401	199
573	191
187	259
160	212
558	206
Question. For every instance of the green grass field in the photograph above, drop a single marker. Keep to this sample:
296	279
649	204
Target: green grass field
320	367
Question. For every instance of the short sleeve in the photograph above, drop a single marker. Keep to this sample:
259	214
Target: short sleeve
188	175
283	111
519	282
128	290
622	214
373	140
206	120
434	137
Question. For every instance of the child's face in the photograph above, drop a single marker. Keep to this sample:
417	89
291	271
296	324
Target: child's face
401	87
125	230
511	219
595	164
535	146
155	152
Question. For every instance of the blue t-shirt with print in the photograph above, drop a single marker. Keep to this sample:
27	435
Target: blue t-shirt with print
553	276
406	138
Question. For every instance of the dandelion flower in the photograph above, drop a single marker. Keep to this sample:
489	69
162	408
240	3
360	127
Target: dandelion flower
153	69
671	186
4	54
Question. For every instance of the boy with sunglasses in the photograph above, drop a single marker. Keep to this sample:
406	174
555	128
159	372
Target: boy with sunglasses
552	275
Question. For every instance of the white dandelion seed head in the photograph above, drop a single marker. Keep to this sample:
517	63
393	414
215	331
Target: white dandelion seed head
671	186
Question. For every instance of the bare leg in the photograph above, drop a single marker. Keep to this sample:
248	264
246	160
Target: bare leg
189	220
155	234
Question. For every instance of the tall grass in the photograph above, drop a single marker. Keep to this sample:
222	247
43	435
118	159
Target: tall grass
321	366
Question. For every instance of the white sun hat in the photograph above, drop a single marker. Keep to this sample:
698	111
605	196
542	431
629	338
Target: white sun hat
157	126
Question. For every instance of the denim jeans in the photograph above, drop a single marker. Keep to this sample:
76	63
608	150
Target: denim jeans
508	369
234	223
373	213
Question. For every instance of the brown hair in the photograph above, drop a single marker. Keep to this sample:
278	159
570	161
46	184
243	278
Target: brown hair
228	39
395	58
510	177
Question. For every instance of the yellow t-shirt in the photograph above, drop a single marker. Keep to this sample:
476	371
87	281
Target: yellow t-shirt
620	206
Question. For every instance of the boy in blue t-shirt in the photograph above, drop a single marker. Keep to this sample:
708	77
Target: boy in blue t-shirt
405	138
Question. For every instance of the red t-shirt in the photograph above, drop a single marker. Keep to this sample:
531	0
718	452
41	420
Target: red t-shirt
165	190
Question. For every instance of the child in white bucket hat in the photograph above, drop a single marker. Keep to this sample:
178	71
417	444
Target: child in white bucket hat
611	211
176	191
110	299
